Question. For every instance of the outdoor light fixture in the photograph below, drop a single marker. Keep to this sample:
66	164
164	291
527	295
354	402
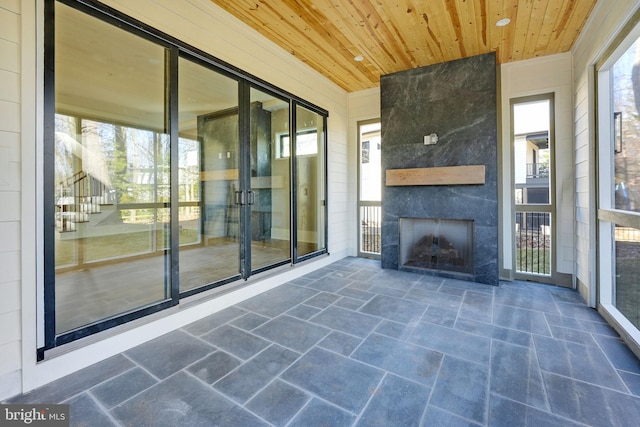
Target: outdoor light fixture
430	139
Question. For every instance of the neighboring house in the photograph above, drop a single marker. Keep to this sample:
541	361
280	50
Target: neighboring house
531	169
32	354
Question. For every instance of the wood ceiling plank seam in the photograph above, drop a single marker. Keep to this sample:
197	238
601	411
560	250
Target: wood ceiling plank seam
521	29
423	17
494	12
560	8
325	25
353	40
366	46
433	41
469	24
444	29
536	19
562	24
507	33
412	35
482	29
579	19
261	21
418	37
454	18
546	29
390	38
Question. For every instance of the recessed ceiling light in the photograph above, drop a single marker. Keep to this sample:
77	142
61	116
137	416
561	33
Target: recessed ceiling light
503	22
358	58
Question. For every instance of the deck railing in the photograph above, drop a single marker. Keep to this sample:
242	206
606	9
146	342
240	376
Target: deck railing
370	222
533	242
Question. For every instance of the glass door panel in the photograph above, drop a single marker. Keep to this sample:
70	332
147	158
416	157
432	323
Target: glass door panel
208	176
111	173
369	189
269	197
310	206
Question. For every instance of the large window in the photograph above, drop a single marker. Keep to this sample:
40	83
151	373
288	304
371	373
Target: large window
619	184
167	172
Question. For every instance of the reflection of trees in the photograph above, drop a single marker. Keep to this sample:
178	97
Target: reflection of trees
626	99
133	164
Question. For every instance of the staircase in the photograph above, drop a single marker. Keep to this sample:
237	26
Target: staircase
78	197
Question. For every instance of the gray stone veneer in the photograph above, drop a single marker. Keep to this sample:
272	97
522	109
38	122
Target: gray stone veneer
458	101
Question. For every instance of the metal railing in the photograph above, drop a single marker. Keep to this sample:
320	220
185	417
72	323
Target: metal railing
537	170
533	242
370	222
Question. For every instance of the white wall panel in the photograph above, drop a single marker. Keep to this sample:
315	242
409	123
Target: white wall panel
10	292
10	198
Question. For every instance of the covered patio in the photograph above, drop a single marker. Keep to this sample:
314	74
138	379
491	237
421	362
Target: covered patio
352	344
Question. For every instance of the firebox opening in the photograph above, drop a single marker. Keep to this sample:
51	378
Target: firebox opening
437	244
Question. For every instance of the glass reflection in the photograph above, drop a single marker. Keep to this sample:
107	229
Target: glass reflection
626	122
310	185
270	163
627	264
112	174
208	163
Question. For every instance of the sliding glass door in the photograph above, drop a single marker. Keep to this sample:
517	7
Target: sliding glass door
269	197
167	173
109	189
209	178
310	186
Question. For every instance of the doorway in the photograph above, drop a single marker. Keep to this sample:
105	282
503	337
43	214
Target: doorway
534	189
369	189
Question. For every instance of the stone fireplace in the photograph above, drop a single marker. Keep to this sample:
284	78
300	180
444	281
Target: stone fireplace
439	245
456	100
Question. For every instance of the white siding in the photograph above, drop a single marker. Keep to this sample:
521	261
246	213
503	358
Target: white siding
604	23
10	313
548	74
206	27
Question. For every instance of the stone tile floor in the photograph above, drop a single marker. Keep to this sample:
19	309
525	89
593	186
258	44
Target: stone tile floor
351	344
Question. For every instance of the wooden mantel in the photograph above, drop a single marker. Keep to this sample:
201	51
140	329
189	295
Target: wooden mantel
446	175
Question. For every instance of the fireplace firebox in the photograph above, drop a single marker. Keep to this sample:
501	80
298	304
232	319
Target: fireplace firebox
441	245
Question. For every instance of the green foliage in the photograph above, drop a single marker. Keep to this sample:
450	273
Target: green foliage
533	260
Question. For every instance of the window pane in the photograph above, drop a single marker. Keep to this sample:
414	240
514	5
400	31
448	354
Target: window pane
370	169
310	184
111	171
532	152
626	149
270	184
208	162
627	265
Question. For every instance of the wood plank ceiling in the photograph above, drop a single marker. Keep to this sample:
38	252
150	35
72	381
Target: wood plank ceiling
396	35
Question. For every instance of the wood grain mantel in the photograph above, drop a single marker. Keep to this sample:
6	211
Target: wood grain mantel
446	175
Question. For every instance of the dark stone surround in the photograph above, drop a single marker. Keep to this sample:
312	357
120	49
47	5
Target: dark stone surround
458	101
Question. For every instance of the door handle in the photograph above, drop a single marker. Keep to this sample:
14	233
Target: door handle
239	195
252	197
